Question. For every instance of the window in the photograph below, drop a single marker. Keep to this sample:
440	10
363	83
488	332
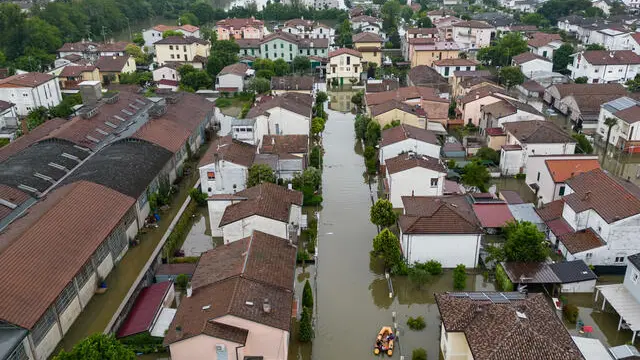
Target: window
290	56
281	46
544	53
25	94
596	70
538	177
170	47
290	47
42	326
178	56
634	276
348	60
588	255
66	297
561	192
619	259
101	253
275	46
184	48
18	354
282	55
85	274
434	182
172	56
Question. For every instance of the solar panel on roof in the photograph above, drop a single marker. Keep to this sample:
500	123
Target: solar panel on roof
127	112
622	103
111	125
119	118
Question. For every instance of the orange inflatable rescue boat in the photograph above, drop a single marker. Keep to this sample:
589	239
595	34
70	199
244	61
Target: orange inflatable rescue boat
384	341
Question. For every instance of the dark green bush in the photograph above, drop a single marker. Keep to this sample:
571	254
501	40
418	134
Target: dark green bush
459	277
182	281
419	354
570	312
306	327
307	296
198	197
433	267
416	323
223	102
502	280
143	343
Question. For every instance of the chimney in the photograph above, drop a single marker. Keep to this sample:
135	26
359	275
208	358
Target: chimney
266	306
586	196
90	92
189	291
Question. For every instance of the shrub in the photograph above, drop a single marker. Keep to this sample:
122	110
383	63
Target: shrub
182	281
307	296
185	260
223	102
419	354
143	343
198	196
315	157
302	255
416	323
433	267
306	327
502	279
570	312
418	276
387	246
180	231
382	214
245	110
459	277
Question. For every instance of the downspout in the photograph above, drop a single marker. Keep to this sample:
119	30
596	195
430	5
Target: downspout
237	355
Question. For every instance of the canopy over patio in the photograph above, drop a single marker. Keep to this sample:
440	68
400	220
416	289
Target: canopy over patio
624	303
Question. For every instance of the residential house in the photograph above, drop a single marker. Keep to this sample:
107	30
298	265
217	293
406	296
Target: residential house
92	51
232	78
369	45
632	4
625	135
422	100
344	64
396	111
250	28
249	48
634	43
445	27
72	76
492	214
581	102
29	91
544	44
406	138
462	82
315	49
239	302
426	51
546	175
291	152
110	67
473	323
267	207
294	84
168	71
287	114
496	115
446	67
224	167
308	29
376	85
186	50
281	45
426	76
533	137
154	34
9	122
530	63
438	14
473	34
411	174
612	38
442	228
469	107
366	23
417	33
601	66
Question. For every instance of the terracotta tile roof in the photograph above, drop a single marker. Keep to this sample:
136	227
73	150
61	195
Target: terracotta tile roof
248	43
561	170
551	211
226	332
495	131
530	273
455	62
537	132
176	269
112	63
590	89
539	39
368	49
297	103
493	215
511	197
13	196
266	200
604	57
367	37
394	104
280	35
285	144
73	71
495	331
163	28
380	86
168	82
345	51
580	241
422	41
481	92
598	191
528	56
145	309
365	18
29	138
404	162
114	46
181	40
404	94
438	215
237	69
422	31
228	149
82	46
292	83
403	132
630	115
240	22
423	75
441	12
60	242
533	85
32	79
559	227
235	279
298	22
474	24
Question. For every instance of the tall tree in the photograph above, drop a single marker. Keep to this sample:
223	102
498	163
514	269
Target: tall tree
633	85
609	122
386	245
260	173
562	57
504	49
382	213
301	64
343	36
525	243
97	347
510	76
223	53
476	175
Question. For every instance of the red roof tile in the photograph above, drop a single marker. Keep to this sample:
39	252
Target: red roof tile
579	241
438	215
455	62
345	51
559	227
404	162
31	79
561	170
493	215
604	57
145	309
30	138
267	200
539	39
403	132
228	149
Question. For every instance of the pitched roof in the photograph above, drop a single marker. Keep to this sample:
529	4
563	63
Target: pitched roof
112	63
81	46
528	56
530	273
240	22
517	329
248	43
404	94
474	24
635	260
605	57
187	27
72	71
403	132
60	242
181	40
285	144
176	269
297	103
455	62
144	310
29	138
590	89
630	115
572	271
394	104
493	215
228	149
267	200
235	279
31	79
581	240
365	18
11	197
598	191
280	35
367	37
537	132
381	85
438	215
483	91
422	75
551	211
292	83
422	31
511	197
237	69
539	39
563	169
345	51
404	162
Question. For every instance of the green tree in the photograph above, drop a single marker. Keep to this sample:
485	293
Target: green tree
97	347
373	134
593	11
583	145
503	50
595	47
301	64
488	154
307	296
459	277
617	8
315	157
138	78
311	177
382	213
419	276
358	99
552	10
182	281
534	19
633	85
562	57
419	354
609	122
195	80
581	80
138	39
259	85
391	10
406	13
317	126
37	117
321	97
476	175
265	74
136	52
188	18
203	11
281	67
260	173
386	245
169	33
511	76
360	126
524	242
223	53
305	333
343	34
424	21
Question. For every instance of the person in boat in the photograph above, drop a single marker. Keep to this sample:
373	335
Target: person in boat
378	343
389	337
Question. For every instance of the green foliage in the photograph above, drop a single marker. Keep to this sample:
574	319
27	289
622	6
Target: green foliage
260	85
223	53
198	196
419	276
245	110
583	144
570	312
511	76
4	142
301	64
358	99
143	343
424	21
315	157
138	39
168	33
307	296
476	175
386	245
317	126
634	84
406	13
534	19
180	231
433	267
223	102
37	117
373	133
581	80
192	79
451	164
182	281
392	124
554	9
188	18
312	234
321	97
311	177
138	55
65	108
97	347
488	154
593	11
524	242
344	34
260	173
370	159
306	327
562	57
185	260
459	277
503	50
502	280
417	323
281	67
382	213
419	354
137	78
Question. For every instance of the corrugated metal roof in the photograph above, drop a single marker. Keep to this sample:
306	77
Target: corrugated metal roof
145	309
619	104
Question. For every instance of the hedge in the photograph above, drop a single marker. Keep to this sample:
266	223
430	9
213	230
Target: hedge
502	279
180	231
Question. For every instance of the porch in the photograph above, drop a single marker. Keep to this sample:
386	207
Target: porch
624	304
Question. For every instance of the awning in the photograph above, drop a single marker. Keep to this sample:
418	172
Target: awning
623	302
436	127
